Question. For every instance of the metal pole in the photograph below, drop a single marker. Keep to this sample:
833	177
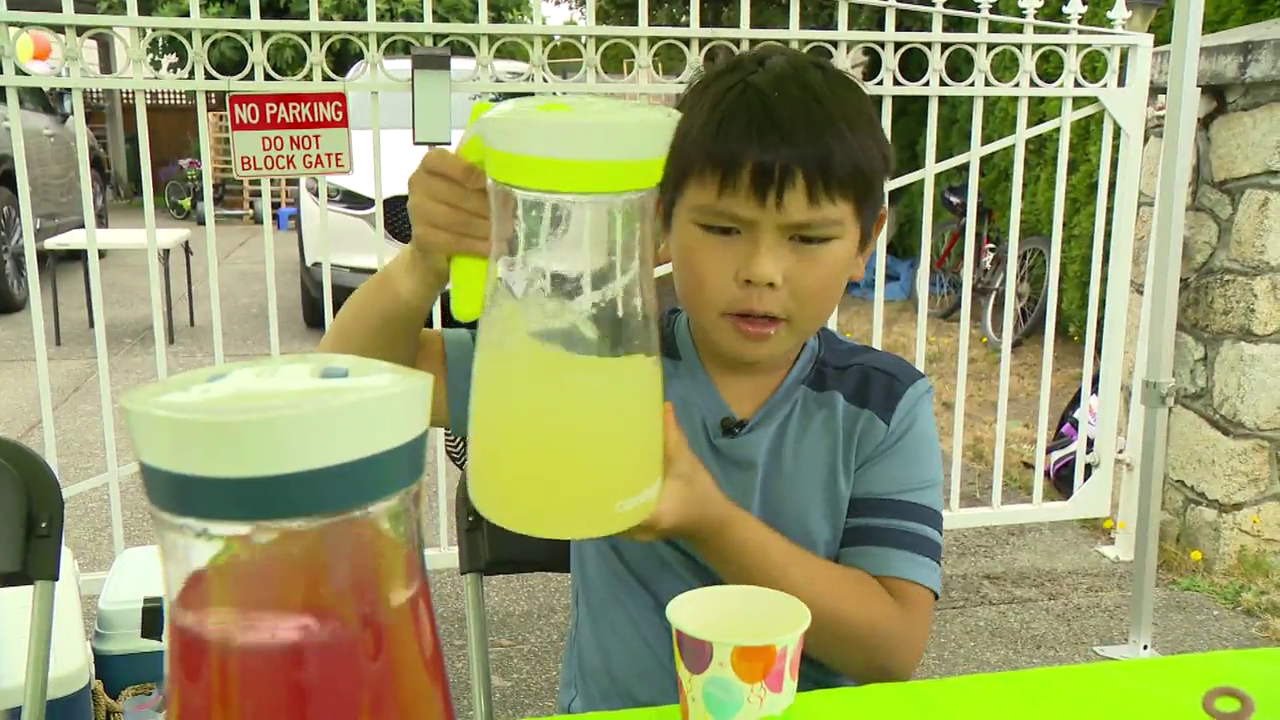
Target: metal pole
478	647
35	696
1182	115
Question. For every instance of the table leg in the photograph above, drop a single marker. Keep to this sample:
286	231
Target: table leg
168	296
187	252
88	292
51	266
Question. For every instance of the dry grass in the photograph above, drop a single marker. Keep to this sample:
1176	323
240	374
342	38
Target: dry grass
977	434
1250	584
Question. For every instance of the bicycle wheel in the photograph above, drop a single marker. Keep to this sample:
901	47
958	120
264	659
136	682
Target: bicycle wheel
946	266
177	200
1030	293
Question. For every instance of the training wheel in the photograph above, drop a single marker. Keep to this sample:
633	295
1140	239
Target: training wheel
199	212
256	206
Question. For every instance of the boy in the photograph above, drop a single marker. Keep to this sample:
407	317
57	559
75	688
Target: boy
794	458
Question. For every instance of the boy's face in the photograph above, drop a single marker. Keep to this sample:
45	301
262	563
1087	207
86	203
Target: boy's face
759	280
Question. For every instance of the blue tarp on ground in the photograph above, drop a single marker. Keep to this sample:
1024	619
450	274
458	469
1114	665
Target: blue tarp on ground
899	279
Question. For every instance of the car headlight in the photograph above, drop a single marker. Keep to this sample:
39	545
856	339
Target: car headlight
339	196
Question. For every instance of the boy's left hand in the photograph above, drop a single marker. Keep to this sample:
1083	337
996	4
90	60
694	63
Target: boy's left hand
690	502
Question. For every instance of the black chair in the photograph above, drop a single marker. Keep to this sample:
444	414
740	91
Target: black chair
31	515
486	550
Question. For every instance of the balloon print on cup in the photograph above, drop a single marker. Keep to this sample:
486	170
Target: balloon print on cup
796	655
695	654
777	677
722	697
752	664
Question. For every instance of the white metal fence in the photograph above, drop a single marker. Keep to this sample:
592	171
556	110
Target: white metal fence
1022	83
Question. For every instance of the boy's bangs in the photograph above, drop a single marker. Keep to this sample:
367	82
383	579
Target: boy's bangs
772	118
770	176
756	140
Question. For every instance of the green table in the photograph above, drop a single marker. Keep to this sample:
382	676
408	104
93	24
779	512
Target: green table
1164	688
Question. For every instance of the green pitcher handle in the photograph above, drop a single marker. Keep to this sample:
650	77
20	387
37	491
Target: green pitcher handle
469	274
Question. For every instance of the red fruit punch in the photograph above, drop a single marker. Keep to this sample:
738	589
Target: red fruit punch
329	622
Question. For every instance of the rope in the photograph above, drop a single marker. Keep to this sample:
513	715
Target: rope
104	708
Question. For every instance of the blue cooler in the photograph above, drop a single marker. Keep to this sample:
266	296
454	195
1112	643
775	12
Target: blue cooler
70	666
128	638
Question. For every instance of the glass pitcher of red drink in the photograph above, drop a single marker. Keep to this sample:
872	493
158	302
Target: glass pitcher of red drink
286	495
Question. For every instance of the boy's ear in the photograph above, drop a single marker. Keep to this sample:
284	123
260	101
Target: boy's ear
859	268
663	255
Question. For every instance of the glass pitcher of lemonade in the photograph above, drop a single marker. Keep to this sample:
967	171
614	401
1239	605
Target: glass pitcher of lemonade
566	396
286	496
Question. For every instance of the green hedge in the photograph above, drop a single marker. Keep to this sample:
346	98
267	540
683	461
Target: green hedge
955	117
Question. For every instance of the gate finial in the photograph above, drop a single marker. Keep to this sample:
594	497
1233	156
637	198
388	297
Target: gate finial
1030	7
1119	14
1074	10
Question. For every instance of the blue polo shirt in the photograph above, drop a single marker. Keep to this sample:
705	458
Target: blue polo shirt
843	459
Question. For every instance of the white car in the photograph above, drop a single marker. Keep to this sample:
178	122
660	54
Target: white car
353	241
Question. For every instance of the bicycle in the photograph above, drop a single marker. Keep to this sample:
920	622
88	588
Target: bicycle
989	268
181	197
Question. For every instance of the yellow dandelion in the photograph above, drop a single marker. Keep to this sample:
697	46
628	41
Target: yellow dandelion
1196	556
1255	520
984	340
848	335
1121	525
1107	524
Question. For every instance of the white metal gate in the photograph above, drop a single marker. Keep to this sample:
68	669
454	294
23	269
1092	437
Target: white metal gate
1047	68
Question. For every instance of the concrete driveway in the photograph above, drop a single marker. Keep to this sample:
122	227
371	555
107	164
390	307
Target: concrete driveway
79	371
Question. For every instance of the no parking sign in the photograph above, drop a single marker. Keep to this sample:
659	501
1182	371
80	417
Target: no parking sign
289	134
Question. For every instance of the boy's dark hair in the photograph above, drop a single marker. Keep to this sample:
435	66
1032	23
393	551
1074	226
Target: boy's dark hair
774	115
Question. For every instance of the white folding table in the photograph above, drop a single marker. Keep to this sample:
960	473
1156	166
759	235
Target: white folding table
167	240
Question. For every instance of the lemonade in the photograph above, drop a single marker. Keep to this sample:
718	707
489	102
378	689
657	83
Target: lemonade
562	445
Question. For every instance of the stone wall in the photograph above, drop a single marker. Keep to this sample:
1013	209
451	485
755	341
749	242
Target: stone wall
1222	486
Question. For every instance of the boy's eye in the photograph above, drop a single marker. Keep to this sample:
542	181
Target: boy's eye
721	230
812	239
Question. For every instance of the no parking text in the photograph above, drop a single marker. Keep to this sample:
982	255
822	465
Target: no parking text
289	134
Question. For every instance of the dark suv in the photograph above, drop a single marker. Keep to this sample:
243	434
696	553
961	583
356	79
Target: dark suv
54	179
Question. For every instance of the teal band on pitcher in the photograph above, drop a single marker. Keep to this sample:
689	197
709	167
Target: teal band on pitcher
321	492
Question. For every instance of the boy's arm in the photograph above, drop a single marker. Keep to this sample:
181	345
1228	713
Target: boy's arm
383	319
873	607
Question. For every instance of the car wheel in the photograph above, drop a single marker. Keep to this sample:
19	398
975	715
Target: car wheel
312	306
101	209
14	288
101	212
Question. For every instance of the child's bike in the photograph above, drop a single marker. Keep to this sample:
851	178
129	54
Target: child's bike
946	269
185	196
180	195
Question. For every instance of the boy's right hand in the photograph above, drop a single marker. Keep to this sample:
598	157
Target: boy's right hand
448	209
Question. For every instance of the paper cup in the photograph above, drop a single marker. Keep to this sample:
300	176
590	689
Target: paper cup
737	651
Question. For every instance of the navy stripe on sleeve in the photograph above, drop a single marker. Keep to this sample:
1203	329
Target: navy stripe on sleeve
892	538
862	508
